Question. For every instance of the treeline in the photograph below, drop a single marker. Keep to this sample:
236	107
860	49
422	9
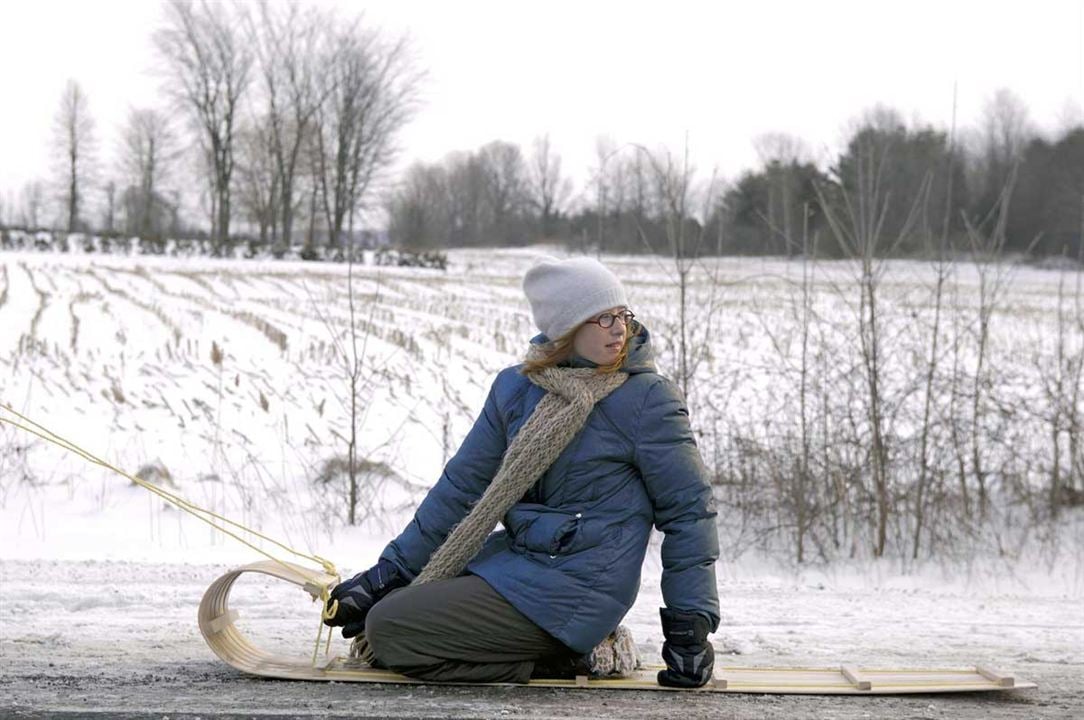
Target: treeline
643	200
278	125
275	124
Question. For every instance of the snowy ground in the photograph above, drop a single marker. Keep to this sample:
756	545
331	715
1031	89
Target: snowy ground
229	376
100	581
118	638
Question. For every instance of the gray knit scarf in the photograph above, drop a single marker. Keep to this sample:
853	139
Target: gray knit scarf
571	394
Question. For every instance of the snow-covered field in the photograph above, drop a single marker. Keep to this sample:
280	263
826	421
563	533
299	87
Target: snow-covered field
230	378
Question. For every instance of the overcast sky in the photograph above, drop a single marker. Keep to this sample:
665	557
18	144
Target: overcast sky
648	72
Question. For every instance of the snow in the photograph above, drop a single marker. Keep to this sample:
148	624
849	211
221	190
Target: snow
121	635
116	354
766	620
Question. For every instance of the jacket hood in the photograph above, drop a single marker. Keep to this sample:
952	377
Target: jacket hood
641	357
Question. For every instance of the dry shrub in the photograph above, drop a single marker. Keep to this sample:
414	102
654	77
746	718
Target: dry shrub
156	473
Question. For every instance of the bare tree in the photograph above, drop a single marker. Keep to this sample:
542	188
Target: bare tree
32	204
549	191
856	210
998	147
209	67
258	184
74	137
779	147
633	201
369	88
109	215
803	477
673	185
505	176
418	209
1005	130
287	40
942	268
781	156
605	150
987	243
1062	386
466	199
360	373
1076	448
148	150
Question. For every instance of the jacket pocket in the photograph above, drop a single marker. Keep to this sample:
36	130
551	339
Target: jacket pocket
537	528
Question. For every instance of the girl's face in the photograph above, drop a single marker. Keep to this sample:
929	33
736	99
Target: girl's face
598	344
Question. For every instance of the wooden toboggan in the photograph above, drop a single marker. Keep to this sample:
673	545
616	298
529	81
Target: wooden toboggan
216	622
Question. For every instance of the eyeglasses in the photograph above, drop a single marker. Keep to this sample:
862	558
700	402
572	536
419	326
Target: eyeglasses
606	320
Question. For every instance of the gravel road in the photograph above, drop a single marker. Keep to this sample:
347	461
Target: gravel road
119	640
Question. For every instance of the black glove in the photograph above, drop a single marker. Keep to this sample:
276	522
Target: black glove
688	655
357	596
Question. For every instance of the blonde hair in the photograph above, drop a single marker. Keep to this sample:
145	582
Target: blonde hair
558	351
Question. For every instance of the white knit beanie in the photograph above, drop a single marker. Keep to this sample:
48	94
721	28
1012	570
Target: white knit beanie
564	293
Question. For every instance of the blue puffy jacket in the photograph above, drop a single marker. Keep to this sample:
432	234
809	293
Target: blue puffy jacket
570	554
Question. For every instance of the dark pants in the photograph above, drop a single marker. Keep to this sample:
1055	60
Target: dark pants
457	630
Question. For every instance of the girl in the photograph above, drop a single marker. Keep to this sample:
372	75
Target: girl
577	452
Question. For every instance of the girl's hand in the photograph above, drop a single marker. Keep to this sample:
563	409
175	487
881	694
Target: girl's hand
688	655
357	596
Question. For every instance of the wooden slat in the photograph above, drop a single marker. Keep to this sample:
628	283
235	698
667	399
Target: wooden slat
998	678
855	678
223	621
315	587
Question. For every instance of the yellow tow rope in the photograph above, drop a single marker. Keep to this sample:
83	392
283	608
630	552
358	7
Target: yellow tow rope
208	516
